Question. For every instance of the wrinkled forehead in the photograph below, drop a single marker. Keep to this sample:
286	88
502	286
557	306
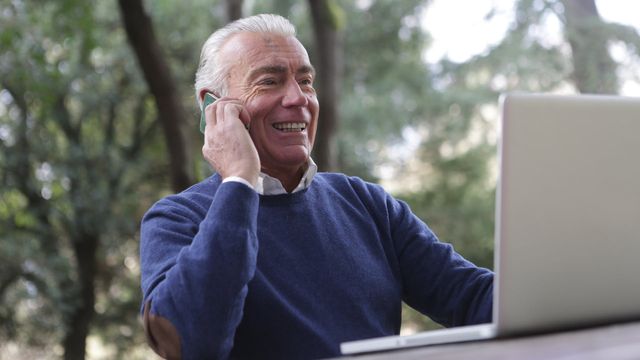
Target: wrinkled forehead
257	49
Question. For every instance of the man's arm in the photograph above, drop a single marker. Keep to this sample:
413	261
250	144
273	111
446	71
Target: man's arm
196	264
437	281
196	267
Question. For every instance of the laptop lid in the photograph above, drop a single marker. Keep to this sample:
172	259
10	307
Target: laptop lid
567	212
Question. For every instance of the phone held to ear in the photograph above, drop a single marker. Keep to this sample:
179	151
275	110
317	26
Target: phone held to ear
209	98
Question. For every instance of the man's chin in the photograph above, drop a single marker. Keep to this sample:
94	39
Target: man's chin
292	161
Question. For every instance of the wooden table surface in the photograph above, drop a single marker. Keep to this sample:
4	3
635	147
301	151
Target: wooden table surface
612	342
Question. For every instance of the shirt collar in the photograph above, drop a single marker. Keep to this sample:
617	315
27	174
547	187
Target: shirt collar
268	185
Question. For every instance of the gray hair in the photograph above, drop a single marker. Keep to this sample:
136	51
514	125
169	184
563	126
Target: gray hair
212	71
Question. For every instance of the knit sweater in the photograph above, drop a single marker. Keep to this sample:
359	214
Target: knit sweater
291	276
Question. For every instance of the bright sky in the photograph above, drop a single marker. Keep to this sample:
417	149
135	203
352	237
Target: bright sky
462	34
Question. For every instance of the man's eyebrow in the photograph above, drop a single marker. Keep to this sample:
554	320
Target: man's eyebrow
306	69
269	69
278	69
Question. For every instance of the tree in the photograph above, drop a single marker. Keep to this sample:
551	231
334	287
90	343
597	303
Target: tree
158	76
593	68
70	165
328	23
234	10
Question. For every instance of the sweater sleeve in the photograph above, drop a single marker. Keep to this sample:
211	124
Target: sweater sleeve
196	264
436	280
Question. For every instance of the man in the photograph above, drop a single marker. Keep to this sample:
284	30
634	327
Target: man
266	258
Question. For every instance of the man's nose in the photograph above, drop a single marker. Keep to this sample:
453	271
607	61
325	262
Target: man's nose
294	96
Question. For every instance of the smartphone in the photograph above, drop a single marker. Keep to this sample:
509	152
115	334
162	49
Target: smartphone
209	98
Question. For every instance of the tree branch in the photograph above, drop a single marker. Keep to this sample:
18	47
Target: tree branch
156	72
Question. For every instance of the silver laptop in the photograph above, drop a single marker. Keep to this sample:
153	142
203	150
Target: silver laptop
567	220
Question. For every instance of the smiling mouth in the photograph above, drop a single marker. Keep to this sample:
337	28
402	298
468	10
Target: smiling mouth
290	127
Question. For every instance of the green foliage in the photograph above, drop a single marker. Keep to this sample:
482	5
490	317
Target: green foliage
338	16
71	164
385	81
456	163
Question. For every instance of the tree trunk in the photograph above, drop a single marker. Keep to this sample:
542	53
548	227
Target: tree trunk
329	62
157	74
234	10
594	71
75	342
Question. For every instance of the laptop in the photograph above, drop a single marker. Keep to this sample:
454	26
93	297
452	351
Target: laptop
567	238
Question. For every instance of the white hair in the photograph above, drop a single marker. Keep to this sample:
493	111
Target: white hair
212	71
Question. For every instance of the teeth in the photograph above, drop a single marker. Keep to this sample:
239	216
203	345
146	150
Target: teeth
289	127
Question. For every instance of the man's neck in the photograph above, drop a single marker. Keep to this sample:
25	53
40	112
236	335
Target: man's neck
289	179
269	184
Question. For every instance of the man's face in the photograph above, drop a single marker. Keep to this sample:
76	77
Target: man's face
273	77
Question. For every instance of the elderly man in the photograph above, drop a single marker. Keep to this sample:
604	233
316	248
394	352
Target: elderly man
269	259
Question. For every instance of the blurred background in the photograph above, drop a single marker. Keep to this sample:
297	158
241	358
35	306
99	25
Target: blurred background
98	120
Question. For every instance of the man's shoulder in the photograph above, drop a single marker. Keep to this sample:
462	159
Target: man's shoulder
341	182
208	186
197	197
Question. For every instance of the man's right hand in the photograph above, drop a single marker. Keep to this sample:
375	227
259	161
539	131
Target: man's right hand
227	144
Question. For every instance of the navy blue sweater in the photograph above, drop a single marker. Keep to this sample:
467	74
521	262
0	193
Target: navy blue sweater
292	276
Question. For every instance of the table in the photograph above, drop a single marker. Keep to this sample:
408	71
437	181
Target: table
611	342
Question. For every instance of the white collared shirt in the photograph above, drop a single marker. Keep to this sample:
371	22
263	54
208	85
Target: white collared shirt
268	185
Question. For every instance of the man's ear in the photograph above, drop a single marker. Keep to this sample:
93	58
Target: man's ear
204	91
201	95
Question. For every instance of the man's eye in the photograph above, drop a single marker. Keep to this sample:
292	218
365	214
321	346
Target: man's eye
268	81
305	82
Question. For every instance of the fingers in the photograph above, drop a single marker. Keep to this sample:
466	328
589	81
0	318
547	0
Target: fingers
245	117
227	109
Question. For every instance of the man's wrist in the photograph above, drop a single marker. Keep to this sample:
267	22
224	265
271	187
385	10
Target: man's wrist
240	180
